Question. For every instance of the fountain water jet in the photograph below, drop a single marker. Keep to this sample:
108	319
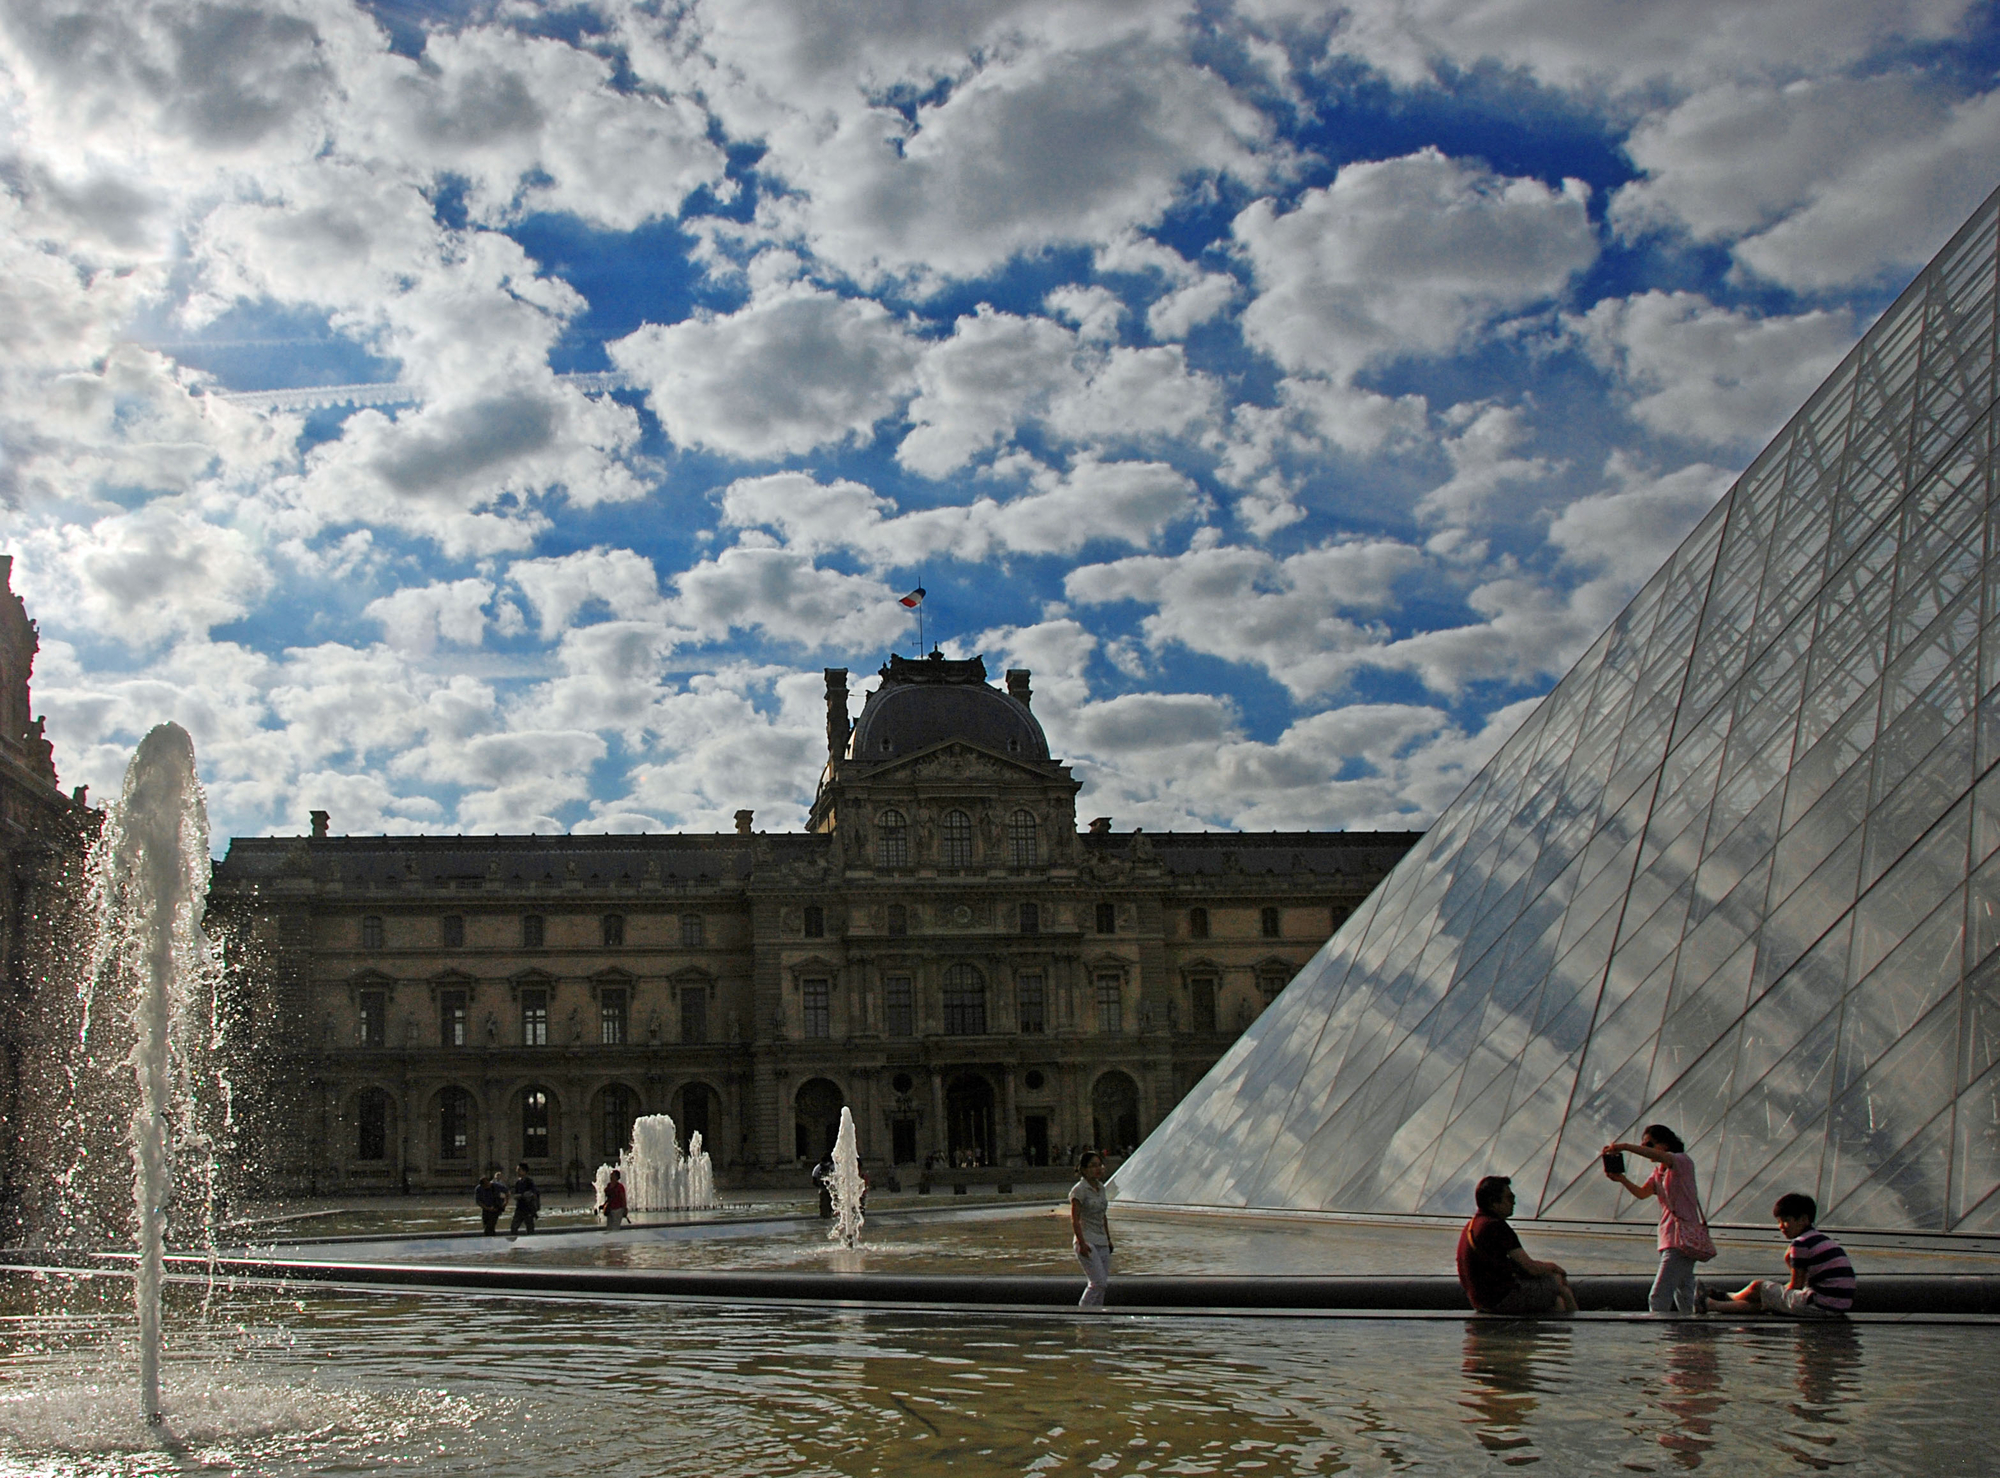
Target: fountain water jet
657	1176
846	1186
151	868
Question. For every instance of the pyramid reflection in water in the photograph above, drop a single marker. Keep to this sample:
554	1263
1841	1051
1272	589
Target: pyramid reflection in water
1736	873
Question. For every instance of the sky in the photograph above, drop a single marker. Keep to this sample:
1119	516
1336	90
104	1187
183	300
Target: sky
1296	389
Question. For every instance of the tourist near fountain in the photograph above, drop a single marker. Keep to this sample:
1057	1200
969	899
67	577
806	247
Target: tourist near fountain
846	1186
657	1176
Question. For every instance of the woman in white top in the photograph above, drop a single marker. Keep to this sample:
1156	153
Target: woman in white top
1087	1224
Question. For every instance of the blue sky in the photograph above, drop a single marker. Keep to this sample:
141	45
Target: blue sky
1296	389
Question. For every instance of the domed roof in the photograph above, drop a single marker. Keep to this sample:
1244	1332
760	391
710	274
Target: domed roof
928	701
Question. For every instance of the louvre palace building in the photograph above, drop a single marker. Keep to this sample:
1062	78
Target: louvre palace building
942	951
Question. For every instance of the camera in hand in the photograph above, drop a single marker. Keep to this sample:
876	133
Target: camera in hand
1614	1162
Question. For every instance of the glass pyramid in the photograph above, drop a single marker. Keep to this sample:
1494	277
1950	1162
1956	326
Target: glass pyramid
1738	873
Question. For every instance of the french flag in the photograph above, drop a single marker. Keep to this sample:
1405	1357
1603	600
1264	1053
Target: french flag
914	599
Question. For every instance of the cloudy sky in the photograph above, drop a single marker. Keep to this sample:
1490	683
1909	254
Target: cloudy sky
1296	388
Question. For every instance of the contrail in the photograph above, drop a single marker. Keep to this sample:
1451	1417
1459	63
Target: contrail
385	392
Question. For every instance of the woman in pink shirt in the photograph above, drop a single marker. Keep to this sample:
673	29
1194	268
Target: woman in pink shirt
1684	1239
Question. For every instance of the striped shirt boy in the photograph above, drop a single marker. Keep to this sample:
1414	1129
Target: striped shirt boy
1828	1275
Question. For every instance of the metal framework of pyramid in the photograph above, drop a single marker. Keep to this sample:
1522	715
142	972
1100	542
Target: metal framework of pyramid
1736	873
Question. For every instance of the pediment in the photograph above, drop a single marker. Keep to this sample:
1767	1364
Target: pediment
955	759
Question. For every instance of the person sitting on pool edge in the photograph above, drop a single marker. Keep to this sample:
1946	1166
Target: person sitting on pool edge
1494	1268
1822	1281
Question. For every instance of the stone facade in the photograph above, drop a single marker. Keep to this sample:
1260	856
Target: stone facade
943	951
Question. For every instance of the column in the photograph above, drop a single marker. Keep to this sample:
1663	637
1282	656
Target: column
1010	1119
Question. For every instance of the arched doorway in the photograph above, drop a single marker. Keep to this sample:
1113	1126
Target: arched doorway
697	1109
1114	1113
968	1115
617	1107
816	1118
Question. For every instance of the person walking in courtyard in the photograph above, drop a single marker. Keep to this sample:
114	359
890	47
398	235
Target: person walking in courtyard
614	1203
1090	1229
527	1202
1822	1281
492	1200
1684	1238
1494	1268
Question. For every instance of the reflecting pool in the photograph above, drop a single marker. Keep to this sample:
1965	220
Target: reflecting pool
328	1381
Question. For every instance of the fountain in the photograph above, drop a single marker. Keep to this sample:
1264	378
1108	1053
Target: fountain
150	882
847	1187
657	1176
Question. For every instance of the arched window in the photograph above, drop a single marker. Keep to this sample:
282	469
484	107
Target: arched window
531	931
1197	923
956	836
534	1124
892	839
371	931
618	1106
454	1124
1023	846
371	1125
964	1002
1270	923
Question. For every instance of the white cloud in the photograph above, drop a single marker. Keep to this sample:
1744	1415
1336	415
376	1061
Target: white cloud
1594	45
1287	616
1125	502
998	371
1188	307
1404	258
785	596
1709	374
558	588
1483	463
416	618
778	377
1627	533
1819	182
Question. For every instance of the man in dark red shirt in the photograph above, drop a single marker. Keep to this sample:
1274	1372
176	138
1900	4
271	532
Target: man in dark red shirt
1494	1268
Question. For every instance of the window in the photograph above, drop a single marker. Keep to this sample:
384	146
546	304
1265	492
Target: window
1269	983
956	837
815	921
619	1107
1201	1000
451	1018
534	1125
1034	1001
534	1017
1023	847
532	932
374	1018
1110	1004
818	1011
1337	915
964	1002
694	1014
613	1011
454	1124
693	935
1107	918
614	930
1031	918
1269	923
899	919
892	839
371	1125
371	931
1197	923
451	931
898	1008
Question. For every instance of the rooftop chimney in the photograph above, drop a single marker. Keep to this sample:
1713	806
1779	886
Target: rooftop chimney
1017	686
320	820
743	820
836	713
1100	826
